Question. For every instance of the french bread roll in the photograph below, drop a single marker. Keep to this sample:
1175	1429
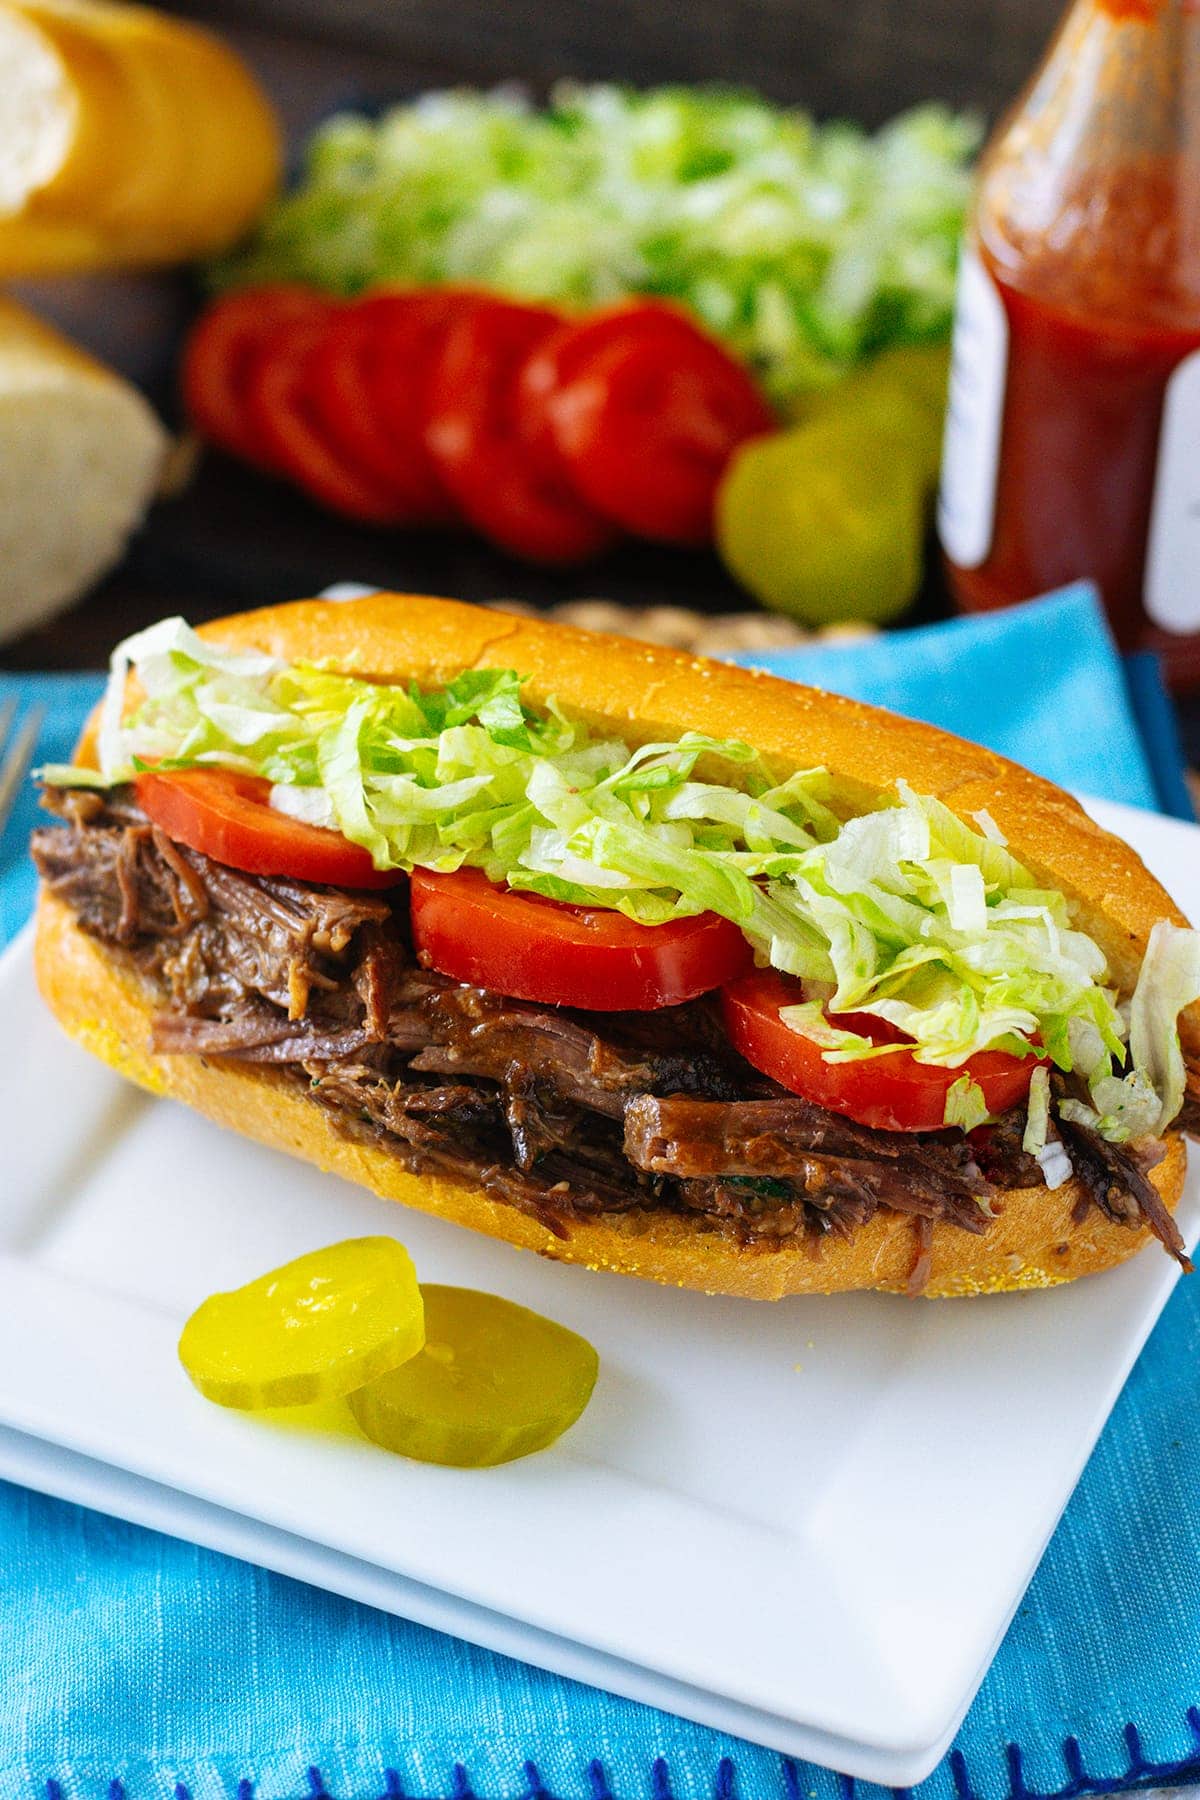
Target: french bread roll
127	139
48	247
55	97
80	457
220	139
648	693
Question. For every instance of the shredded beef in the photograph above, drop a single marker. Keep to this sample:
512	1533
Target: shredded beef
826	1159
676	1136
112	871
483	1034
1001	1154
458	1129
253	1034
1115	1177
211	934
563	1115
1189	1114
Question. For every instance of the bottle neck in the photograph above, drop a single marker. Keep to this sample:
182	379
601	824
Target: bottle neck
1090	191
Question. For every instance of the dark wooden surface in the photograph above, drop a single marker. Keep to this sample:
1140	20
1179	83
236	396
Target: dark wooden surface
861	58
236	539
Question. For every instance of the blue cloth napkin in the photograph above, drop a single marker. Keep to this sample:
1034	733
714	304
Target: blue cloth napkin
1041	683
129	1659
64	701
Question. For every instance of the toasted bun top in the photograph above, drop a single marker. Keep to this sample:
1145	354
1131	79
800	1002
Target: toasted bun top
646	692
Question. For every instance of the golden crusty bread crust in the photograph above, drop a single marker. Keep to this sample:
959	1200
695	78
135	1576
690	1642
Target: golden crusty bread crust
648	693
105	1006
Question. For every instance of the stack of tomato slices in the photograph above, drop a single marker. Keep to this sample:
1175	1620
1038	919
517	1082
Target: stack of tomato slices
535	949
448	406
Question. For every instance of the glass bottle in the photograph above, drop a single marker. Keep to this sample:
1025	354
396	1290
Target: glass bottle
1073	443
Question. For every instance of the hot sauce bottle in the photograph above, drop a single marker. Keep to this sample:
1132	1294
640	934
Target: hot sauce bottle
1073	441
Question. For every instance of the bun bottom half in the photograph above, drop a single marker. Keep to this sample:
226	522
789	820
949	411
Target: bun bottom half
1034	1243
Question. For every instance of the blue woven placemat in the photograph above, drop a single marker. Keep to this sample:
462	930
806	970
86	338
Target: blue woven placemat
134	1665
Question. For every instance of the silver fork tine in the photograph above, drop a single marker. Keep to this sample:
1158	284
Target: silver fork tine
17	757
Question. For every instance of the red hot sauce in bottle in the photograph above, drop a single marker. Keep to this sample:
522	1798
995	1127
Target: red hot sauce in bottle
1073	444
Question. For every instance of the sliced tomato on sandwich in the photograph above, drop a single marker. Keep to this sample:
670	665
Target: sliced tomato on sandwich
229	817
891	1093
463	925
590	957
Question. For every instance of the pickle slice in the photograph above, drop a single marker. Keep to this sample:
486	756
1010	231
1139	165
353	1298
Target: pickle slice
494	1382
312	1330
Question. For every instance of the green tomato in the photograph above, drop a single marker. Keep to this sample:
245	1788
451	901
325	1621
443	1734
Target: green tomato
827	522
904	393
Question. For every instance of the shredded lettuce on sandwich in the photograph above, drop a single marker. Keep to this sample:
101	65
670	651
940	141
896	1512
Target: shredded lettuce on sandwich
904	913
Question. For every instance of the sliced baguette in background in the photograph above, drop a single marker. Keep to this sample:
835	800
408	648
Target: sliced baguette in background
128	139
81	453
37	127
222	147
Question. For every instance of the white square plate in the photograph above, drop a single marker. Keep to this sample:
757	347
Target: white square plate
730	1532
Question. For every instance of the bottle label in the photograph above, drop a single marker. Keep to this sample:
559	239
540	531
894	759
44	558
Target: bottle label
1173	554
971	448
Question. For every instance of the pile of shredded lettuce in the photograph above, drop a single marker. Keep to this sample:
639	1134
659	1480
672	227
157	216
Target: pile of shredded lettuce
904	912
806	247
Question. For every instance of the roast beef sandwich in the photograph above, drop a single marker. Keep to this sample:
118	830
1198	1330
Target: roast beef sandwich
623	956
